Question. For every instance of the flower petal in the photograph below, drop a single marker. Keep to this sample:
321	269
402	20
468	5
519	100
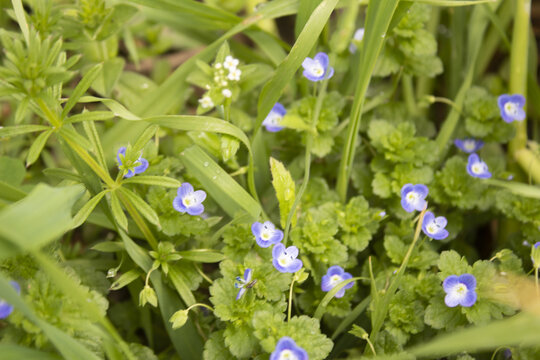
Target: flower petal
469	280
469	299
278	250
292	251
335	270
197	209
200	195
178	205
256	229
185	189
450	282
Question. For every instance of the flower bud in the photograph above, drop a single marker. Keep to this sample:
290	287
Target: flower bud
148	295
179	318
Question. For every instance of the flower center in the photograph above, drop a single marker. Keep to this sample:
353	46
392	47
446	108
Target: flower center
317	69
460	289
478	168
335	279
188	200
274	119
469	145
287	355
432	227
412	196
510	108
285	259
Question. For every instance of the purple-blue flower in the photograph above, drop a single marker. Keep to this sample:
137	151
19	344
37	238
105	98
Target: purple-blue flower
317	69
477	168
273	119
188	200
285	259
412	197
333	277
434	227
357	38
460	290
469	145
133	167
286	349
5	308
266	234
511	107
244	283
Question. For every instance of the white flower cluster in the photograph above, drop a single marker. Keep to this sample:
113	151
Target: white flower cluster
223	74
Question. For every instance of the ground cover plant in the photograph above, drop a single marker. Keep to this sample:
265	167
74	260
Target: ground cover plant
286	179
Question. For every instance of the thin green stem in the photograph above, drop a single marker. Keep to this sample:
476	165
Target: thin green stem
408	94
49	114
290	300
103	174
518	68
307	160
204	276
139	221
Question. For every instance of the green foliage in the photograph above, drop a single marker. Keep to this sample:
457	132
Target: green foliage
453	185
482	117
270	327
172	222
410	46
358	223
285	190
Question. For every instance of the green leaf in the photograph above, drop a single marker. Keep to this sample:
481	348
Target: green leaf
21	129
522	329
141	206
285	190
12	351
87	209
219	185
153	180
92	134
20	15
44	215
90	116
81	88
66	345
126	279
181	286
12	171
202	255
37	147
117	211
109	246
272	91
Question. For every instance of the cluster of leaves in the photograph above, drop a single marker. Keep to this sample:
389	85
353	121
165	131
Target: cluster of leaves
410	46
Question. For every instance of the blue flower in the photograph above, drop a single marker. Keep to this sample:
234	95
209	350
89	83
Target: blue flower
460	290
535	254
333	277
357	38
133	167
266	234
469	145
244	283
285	260
5	308
286	349
412	197
273	119
477	168
317	69
511	107
434	227
188	200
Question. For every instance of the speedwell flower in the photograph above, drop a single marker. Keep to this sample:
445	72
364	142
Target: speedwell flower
133	167
357	38
469	145
477	168
434	227
317	69
511	107
285	259
286	349
188	200
5	308
273	119
460	290
412	197
333	277
266	234
244	283
535	254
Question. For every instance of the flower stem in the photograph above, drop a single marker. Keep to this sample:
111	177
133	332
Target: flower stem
290	300
536	280
307	160
139	221
518	66
201	305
